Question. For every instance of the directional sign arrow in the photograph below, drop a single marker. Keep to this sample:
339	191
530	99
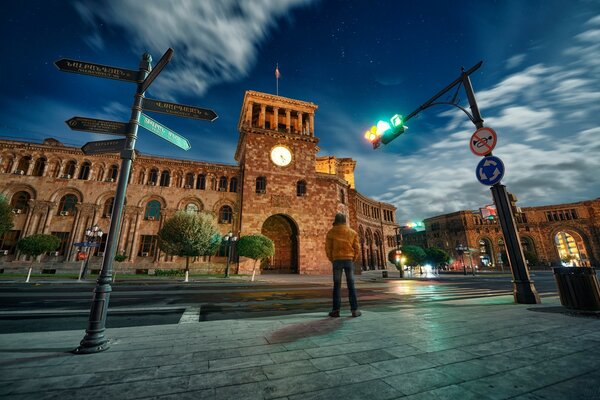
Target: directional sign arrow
490	170
164	132
98	70
104	146
157	68
179	109
97	125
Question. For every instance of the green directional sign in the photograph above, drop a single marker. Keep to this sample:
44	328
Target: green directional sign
164	132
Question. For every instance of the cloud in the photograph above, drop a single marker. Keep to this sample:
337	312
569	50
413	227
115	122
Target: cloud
215	41
515	61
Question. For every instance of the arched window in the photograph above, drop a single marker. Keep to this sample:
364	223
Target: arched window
225	215
141	177
66	206
189	180
191	208
342	196
108	207
201	182
261	184
84	171
213	183
70	169
153	178
100	174
301	188
165	178
152	210
20	201
24	165
233	185
40	165
223	184
113	173
9	165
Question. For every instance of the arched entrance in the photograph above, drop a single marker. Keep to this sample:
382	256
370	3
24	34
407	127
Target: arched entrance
282	230
569	246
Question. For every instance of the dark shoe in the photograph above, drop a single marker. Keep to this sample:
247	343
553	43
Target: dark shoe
335	314
356	313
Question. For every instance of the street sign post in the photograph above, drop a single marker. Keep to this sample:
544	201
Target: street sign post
490	170
164	60
164	132
104	146
98	70
98	125
179	109
483	141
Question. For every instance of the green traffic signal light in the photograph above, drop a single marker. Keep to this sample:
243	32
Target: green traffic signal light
396	129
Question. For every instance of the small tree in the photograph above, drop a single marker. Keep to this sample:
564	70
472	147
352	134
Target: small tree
36	245
188	235
415	255
6	216
436	256
256	247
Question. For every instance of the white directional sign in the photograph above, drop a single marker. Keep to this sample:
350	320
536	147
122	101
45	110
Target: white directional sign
483	141
490	170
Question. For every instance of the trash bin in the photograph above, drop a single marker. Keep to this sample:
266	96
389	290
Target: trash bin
384	273
578	288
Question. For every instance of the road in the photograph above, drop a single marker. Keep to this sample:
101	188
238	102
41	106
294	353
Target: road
54	305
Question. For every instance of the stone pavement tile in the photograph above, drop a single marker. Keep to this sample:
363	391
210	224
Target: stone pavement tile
371	356
586	387
343	348
402	365
237	352
452	392
300	344
34	385
290	355
239	362
332	362
276	371
225	378
403	350
467	370
182	369
205	394
372	390
446	356
356	374
420	381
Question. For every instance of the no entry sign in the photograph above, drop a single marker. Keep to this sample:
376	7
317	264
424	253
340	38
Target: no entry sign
483	141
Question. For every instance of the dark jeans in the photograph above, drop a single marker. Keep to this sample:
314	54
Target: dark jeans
346	266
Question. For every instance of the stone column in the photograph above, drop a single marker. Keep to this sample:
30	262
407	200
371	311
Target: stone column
249	111
288	121
261	119
275	119
299	122
134	238
311	121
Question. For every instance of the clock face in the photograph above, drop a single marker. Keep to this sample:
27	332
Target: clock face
281	156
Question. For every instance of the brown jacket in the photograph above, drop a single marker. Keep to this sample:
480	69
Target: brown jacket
341	243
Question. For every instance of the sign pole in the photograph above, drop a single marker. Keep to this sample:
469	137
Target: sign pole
94	340
524	291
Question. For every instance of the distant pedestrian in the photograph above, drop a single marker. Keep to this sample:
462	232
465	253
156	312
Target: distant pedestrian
342	249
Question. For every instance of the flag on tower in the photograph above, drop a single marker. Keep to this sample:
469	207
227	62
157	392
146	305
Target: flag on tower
277	74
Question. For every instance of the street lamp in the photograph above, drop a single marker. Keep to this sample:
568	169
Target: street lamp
92	235
398	258
229	240
460	249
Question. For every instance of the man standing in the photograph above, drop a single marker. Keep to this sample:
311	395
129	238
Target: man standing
341	245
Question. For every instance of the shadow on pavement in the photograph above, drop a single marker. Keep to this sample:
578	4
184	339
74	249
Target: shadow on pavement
302	330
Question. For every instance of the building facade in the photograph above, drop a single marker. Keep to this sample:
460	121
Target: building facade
554	235
278	188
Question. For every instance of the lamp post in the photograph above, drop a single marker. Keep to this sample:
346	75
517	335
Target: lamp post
460	250
229	240
399	251
92	234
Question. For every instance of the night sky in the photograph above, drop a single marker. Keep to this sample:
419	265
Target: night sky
359	61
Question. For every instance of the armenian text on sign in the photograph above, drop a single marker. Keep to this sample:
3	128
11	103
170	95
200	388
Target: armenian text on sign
180	110
98	125
99	70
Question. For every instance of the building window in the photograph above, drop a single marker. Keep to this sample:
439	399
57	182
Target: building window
152	210
24	164
9	165
57	169
64	239
148	246
108	207
100	174
70	169
233	185
342	197
261	184
20	201
9	240
301	188
153	178
191	208
113	172
225	215
189	180
66	206
165	178
213	183
223	184
84	171
201	182
40	165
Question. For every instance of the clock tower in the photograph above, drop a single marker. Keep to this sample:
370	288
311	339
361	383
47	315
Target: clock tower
282	195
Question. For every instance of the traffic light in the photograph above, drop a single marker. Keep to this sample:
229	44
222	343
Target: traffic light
513	204
385	132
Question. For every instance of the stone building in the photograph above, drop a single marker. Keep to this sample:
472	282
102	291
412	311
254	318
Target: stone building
278	187
567	234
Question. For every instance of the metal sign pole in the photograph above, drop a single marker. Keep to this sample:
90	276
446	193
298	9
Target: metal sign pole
94	340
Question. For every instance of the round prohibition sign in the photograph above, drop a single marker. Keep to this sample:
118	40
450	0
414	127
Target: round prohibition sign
483	141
